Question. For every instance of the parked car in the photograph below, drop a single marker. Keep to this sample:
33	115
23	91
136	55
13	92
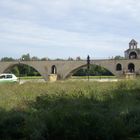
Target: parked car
8	78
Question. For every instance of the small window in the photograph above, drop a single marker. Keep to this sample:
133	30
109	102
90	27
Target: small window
118	67
54	70
9	76
2	77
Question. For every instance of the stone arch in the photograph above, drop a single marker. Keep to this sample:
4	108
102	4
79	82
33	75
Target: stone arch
131	67
70	73
53	69
133	55
118	67
11	65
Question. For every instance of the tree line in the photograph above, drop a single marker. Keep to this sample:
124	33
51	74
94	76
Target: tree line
27	57
24	57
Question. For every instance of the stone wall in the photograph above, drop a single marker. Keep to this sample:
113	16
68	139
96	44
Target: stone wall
67	68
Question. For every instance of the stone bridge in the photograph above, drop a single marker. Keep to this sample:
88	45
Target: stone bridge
64	69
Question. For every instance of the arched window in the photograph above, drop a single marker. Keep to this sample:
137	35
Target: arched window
133	55
118	67
54	69
131	67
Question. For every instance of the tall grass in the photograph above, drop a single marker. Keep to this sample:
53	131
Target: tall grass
70	111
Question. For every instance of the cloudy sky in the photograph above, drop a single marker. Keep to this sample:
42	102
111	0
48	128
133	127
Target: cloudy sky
63	28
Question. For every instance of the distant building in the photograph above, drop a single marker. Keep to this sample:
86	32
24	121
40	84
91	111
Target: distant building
133	52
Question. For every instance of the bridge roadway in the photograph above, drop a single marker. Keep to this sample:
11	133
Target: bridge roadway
66	68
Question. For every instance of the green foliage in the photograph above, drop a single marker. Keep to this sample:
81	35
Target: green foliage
11	125
94	70
118	57
35	58
70	111
15	70
26	57
23	70
7	59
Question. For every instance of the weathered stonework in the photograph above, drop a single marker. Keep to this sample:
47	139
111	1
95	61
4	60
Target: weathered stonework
66	68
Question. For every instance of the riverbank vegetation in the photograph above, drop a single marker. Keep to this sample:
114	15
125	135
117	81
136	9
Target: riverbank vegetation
70	111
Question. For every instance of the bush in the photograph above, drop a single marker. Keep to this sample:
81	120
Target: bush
11	125
70	110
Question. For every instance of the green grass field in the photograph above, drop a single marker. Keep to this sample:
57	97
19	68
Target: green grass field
70	111
30	77
93	77
72	77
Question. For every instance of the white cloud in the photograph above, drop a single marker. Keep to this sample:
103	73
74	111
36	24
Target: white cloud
26	32
101	25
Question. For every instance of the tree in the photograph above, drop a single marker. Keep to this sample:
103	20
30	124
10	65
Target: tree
15	70
7	59
93	71
44	59
35	58
70	59
26	57
78	58
118	57
59	59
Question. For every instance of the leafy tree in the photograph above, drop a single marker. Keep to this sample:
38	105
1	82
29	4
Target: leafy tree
15	70
59	59
118	57
35	58
78	58
22	70
7	59
70	59
81	72
26	70
26	57
94	70
44	59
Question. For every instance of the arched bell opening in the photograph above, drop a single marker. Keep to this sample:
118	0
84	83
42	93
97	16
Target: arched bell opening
133	55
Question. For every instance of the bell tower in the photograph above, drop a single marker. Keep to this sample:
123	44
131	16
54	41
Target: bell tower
133	52
133	44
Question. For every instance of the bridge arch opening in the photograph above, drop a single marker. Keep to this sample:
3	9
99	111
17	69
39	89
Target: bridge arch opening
133	55
131	67
95	70
118	67
53	70
22	70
